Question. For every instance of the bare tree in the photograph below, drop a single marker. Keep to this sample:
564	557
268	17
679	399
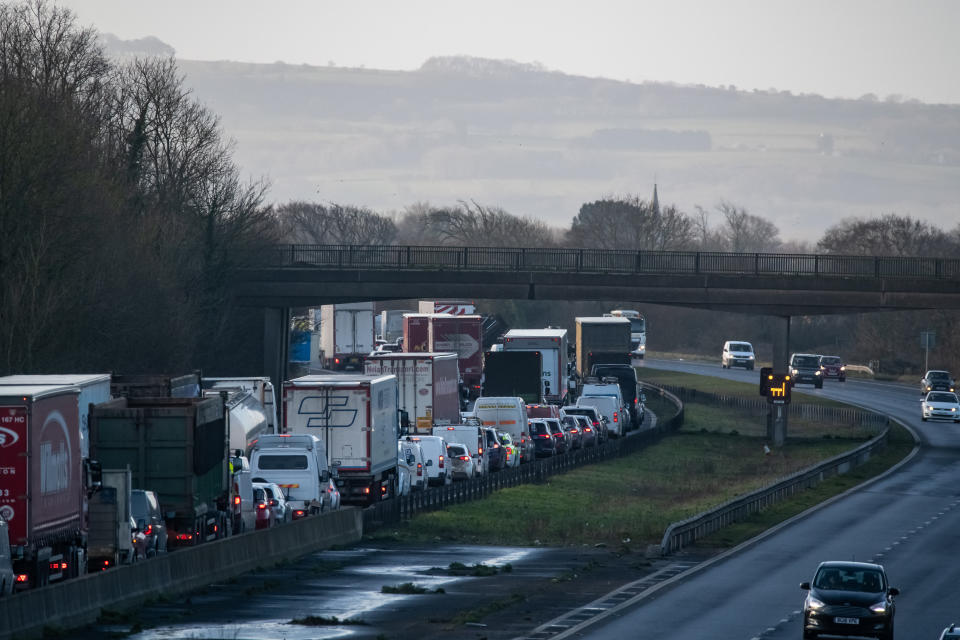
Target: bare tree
472	224
889	235
631	223
313	223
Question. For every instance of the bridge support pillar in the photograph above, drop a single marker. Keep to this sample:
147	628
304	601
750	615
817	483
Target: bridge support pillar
777	416
276	350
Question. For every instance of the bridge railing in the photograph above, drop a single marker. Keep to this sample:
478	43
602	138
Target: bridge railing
609	261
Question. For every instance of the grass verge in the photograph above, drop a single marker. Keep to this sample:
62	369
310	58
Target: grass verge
710	384
628	503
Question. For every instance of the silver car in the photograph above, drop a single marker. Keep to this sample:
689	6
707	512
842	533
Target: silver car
461	462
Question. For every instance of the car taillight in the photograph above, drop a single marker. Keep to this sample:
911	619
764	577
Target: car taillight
441	462
187	536
299	513
383	491
595	423
464	457
22	577
336	360
58	566
587	429
260	506
558	435
236	501
366	491
419	469
481	450
149	530
614	416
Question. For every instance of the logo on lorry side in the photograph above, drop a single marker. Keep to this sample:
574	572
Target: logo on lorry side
54	455
8	437
327	411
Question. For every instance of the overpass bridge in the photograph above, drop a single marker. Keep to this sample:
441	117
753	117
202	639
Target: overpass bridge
780	285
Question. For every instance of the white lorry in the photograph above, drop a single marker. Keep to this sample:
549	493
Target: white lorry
346	335
428	385
298	464
358	420
552	345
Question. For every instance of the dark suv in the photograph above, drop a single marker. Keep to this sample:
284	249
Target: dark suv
805	369
145	509
936	380
849	598
543	441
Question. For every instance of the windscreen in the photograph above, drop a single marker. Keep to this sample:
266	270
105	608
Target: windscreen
638	325
138	505
829	360
849	579
741	346
282	461
538	428
805	361
938	375
456	450
942	397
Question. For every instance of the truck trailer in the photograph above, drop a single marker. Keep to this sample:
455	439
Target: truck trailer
513	373
427	385
552	345
463	335
176	447
602	340
45	484
110	537
346	335
357	418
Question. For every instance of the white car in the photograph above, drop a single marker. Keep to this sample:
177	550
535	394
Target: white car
461	461
282	512
941	405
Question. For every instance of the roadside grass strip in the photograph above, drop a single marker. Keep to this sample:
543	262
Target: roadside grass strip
722	386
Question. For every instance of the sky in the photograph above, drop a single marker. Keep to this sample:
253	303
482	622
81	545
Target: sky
835	48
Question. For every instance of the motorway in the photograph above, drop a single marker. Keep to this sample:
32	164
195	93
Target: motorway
907	520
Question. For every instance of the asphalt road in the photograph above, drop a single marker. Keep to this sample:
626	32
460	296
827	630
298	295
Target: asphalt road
909	521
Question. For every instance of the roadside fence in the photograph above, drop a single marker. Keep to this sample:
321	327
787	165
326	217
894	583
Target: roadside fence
759	406
402	508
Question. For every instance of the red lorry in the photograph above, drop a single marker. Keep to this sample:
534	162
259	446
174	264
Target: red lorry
462	335
44	483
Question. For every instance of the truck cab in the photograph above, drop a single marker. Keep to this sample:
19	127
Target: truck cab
298	464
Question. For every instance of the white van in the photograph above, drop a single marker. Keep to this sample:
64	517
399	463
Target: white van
410	459
435	465
298	464
610	409
609	386
507	414
737	353
473	438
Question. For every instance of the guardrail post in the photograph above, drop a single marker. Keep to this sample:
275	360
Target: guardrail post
816	265
756	264
465	257
696	263
350	255
580	260
636	263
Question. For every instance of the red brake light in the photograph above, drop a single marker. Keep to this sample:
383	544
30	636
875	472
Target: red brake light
464	457
22	577
366	490
614	416
299	512
260	506
149	530
419	469
441	462
236	500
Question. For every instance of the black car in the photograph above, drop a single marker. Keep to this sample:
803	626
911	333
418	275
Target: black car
543	441
805	369
561	437
497	454
849	599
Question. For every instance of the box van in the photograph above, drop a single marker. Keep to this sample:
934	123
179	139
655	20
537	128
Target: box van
435	458
473	438
610	408
737	353
298	464
507	413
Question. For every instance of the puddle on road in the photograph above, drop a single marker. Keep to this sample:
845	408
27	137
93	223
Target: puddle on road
263	630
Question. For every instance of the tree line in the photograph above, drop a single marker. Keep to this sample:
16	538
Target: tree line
123	215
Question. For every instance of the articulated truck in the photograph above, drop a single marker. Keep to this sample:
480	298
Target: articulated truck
45	483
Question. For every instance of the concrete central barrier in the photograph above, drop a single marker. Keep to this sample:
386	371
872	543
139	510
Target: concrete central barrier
74	603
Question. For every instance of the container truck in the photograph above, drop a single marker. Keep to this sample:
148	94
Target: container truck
346	335
428	385
513	373
357	418
602	340
390	324
260	387
110	537
176	447
552	345
155	386
416	332
463	335
94	389
45	483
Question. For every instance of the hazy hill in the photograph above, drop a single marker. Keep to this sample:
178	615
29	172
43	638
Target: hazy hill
540	143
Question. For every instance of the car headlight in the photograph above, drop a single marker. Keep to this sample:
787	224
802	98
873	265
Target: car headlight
817	373
813	603
793	372
953	408
750	357
843	368
880	607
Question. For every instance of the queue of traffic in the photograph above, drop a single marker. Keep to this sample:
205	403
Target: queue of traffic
102	470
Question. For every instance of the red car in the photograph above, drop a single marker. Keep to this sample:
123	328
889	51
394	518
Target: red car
833	367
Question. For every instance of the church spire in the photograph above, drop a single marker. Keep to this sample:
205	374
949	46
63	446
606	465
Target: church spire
656	201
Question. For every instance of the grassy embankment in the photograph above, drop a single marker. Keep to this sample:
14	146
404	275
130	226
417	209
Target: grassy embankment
630	501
